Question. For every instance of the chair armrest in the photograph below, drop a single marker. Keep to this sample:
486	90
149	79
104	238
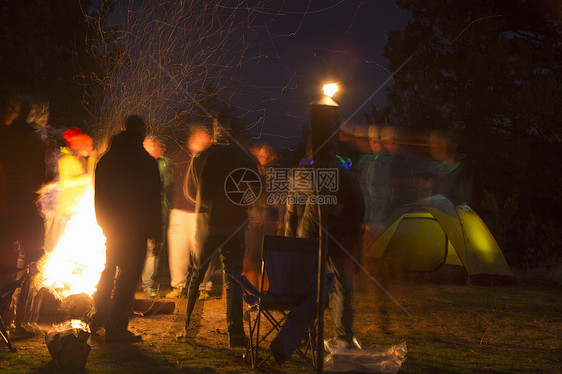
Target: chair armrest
251	292
329	284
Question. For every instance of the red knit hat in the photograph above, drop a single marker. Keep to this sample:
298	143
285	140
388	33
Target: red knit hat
76	139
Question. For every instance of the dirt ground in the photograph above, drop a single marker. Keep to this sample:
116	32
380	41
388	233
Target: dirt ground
208	322
208	325
207	335
451	328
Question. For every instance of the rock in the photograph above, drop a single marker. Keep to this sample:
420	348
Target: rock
49	302
78	305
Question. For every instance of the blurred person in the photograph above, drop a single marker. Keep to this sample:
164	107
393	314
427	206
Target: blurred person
22	233
39	117
11	107
157	148
402	182
264	217
362	140
220	223
3	194
75	166
347	144
49	193
181	231
454	173
374	170
344	228
128	206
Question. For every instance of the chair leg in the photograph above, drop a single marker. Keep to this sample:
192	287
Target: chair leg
310	345
256	338
248	351
251	349
4	335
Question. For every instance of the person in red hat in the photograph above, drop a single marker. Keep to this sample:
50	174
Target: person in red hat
75	166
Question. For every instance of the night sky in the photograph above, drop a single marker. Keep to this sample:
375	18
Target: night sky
344	43
299	46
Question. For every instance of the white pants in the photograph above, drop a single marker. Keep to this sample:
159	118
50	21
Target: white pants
150	268
181	241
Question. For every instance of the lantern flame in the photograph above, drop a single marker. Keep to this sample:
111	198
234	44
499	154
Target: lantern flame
330	89
75	265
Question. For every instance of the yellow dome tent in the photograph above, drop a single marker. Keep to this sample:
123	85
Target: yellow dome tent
433	236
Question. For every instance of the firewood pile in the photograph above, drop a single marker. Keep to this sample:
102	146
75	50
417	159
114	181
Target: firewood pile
68	344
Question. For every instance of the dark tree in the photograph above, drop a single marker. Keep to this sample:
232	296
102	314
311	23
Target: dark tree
492	69
49	48
376	116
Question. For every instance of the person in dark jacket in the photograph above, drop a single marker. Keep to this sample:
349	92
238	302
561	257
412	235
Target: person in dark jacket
220	223
128	207
344	230
22	160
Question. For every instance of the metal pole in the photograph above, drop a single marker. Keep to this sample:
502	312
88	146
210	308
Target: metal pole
322	259
324	121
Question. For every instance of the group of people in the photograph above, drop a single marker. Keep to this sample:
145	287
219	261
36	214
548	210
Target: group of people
395	169
143	197
42	183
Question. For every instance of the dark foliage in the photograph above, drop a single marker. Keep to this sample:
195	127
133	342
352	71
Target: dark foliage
492	69
49	49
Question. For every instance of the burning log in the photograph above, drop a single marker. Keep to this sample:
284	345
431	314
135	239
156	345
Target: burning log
146	307
68	344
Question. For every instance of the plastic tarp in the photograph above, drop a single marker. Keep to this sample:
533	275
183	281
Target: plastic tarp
367	360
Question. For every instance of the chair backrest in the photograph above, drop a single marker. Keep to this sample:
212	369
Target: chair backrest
291	265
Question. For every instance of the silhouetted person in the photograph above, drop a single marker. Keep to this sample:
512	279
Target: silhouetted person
220	223
22	157
128	209
454	175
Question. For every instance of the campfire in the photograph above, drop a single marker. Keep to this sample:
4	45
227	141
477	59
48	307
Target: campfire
75	265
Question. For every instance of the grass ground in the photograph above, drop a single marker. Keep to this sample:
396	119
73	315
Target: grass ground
452	329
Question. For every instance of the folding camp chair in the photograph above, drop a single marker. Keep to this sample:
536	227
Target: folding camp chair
291	268
6	293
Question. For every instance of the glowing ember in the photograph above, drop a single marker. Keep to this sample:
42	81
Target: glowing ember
78	259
